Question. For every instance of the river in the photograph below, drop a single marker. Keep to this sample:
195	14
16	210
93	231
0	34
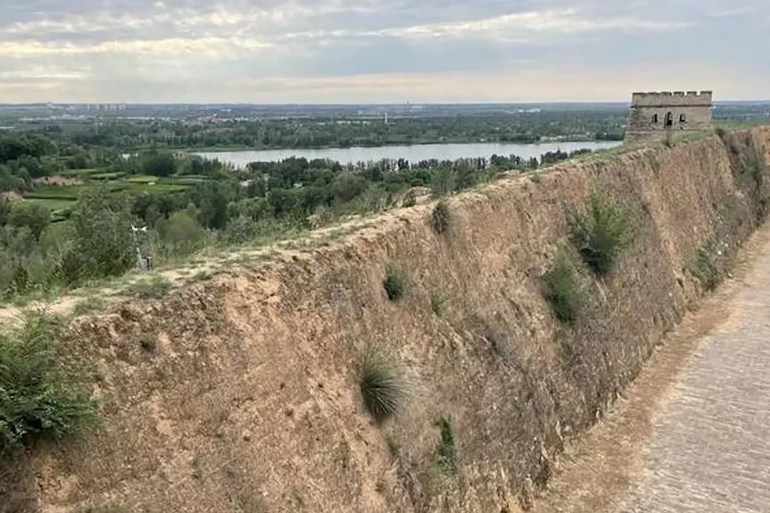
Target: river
412	153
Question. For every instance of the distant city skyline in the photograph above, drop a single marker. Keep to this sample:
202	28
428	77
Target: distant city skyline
378	51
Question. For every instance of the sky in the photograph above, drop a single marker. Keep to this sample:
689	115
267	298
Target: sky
379	51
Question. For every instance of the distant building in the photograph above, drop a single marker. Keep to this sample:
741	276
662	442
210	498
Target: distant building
653	114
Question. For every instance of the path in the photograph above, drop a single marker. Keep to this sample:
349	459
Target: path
693	432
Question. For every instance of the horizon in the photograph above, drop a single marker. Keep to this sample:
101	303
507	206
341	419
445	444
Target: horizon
353	104
377	51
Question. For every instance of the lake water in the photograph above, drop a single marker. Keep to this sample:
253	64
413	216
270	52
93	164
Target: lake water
412	153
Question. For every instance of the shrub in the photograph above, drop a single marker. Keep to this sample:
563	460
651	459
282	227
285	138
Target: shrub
602	232
40	395
446	456
704	266
103	241
181	233
154	288
562	289
395	282
441	217
383	387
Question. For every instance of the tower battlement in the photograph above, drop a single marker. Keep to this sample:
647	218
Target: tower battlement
672	99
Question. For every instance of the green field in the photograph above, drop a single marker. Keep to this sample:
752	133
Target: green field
60	197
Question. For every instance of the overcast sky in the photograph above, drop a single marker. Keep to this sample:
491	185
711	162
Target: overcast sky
276	51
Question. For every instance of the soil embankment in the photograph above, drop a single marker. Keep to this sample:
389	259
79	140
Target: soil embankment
241	394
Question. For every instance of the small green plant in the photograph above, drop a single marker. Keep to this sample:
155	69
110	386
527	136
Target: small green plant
155	288
40	395
562	289
441	217
383	387
535	177
395	282
446	455
704	266
602	232
437	302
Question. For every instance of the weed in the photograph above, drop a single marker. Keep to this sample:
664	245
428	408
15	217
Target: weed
155	288
383	387
446	456
704	266
536	177
395	282
437	302
562	289
441	217
602	232
40	395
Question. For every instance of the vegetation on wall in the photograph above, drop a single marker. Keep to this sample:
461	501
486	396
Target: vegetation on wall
563	290
40	394
601	232
383	387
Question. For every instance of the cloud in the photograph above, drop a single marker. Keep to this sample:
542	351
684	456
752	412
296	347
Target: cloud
313	49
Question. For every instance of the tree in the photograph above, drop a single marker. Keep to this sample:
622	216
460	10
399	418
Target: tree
103	242
31	215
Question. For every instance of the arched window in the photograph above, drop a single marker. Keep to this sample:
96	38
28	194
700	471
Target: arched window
654	119
669	119
682	118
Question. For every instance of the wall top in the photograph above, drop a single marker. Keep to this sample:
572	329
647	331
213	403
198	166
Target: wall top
672	98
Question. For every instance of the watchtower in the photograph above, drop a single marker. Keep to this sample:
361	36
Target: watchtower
653	114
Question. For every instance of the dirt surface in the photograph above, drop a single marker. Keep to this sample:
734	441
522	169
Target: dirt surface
691	433
248	397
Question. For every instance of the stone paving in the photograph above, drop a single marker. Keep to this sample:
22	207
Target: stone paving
709	449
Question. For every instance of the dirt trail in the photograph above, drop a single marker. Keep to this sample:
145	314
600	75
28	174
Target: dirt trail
691	434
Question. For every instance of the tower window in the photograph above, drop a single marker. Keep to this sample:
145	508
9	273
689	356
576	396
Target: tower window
654	119
682	118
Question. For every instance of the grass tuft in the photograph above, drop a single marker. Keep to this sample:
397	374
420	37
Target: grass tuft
383	387
395	282
40	395
562	289
601	232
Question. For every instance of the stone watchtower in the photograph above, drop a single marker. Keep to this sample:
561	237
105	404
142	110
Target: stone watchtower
653	114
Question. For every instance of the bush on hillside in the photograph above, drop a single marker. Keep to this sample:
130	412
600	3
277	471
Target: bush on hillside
383	387
562	289
395	282
601	232
40	395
